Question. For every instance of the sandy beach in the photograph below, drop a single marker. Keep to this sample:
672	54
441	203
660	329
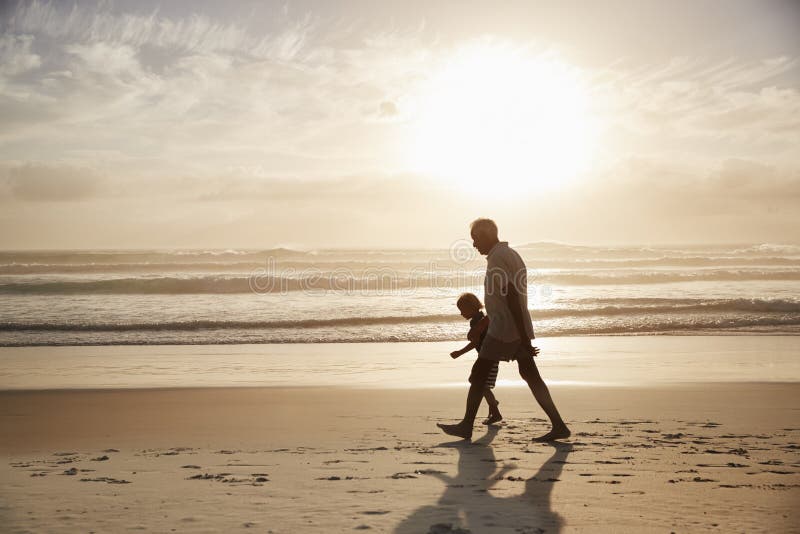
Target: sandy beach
701	457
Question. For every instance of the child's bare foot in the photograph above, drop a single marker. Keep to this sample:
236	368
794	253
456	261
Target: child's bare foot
460	430
559	432
493	418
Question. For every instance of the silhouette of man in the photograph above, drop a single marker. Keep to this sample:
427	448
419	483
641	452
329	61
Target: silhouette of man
510	331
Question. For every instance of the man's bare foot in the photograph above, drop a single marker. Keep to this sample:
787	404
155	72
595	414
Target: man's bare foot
561	432
492	419
460	430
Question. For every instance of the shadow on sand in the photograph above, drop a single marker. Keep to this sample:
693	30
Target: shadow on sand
467	505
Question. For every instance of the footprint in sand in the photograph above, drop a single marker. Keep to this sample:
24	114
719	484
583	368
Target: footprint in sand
399	476
107	480
227	478
447	528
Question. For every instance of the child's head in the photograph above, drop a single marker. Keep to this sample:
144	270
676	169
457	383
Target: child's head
468	304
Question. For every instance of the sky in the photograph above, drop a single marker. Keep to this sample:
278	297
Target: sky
190	124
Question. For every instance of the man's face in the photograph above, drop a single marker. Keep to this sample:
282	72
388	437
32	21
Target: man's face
482	242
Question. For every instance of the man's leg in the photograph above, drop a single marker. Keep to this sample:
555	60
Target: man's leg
477	382
529	373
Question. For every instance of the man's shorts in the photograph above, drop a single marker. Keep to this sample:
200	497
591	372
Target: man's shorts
503	351
484	370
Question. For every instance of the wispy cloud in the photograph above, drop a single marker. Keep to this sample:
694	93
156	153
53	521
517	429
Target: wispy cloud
16	56
103	103
721	109
191	34
190	89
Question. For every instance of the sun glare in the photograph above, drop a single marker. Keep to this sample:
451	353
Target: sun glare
495	114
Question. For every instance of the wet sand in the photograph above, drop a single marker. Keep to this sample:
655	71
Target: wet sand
716	457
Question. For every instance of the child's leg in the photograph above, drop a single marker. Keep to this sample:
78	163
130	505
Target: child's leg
487	392
490	399
493	403
494	412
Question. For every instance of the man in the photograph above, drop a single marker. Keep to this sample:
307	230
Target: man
510	331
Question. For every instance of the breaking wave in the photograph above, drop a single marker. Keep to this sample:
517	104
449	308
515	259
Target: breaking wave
375	280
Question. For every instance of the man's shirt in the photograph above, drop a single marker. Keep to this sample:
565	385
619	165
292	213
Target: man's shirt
503	267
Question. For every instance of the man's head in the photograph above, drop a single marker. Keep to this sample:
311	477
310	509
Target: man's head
484	235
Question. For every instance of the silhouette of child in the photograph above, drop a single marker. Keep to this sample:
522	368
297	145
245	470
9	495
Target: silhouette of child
470	307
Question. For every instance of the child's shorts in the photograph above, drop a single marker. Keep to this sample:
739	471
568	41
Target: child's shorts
492	377
484	371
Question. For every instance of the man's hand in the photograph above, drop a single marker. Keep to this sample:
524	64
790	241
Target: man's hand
533	351
455	354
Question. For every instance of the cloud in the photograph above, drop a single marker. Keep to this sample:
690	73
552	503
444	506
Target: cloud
697	102
191	91
387	109
195	33
16	56
752	180
44	183
198	118
672	191
770	110
102	57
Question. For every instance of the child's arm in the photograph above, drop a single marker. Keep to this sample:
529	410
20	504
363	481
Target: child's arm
456	353
476	331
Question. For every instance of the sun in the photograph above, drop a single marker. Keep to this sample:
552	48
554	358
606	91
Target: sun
497	115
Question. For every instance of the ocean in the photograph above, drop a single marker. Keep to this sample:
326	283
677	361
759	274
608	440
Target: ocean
189	297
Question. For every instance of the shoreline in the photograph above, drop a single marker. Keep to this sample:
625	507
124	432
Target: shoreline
601	361
638	334
408	389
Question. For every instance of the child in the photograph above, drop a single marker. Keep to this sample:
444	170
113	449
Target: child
470	307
